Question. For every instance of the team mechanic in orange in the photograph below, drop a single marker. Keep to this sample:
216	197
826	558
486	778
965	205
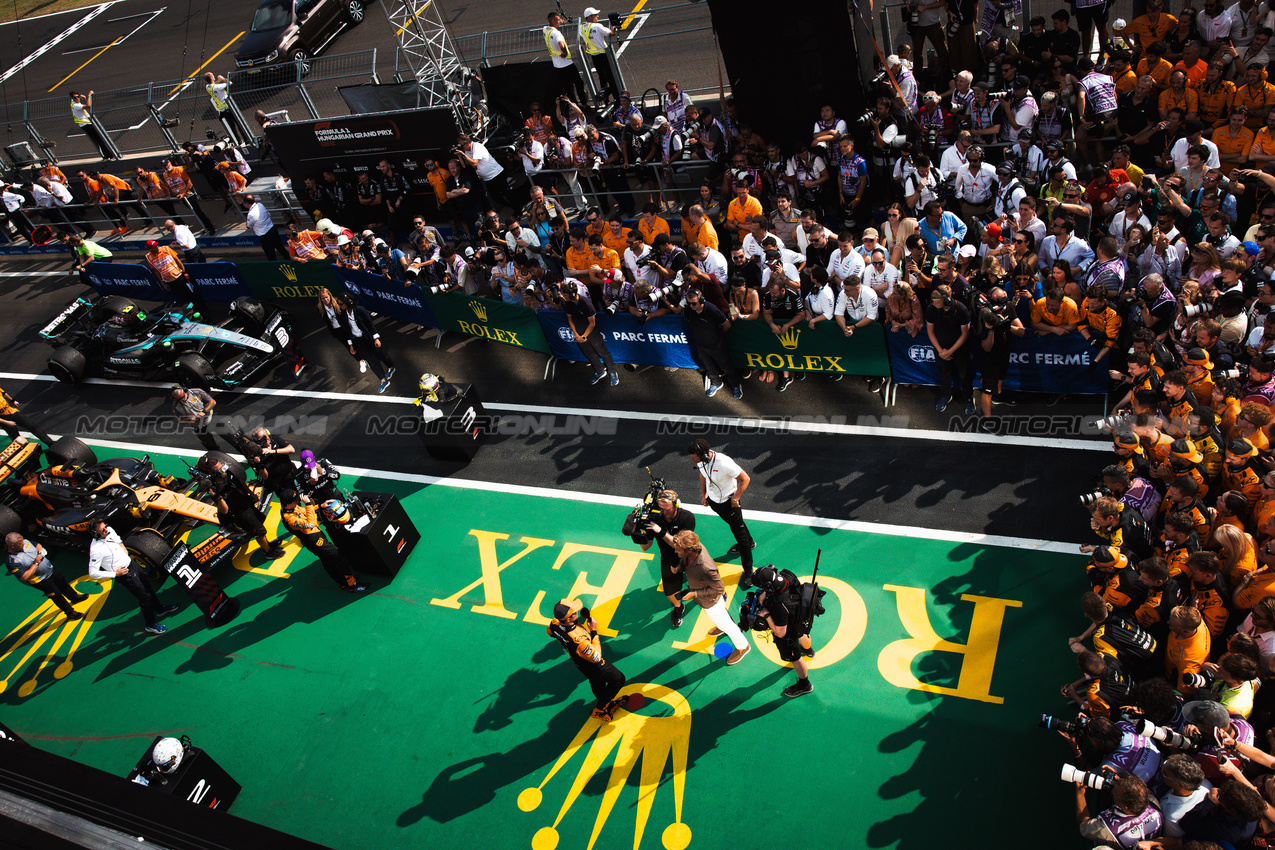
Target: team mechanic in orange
169	268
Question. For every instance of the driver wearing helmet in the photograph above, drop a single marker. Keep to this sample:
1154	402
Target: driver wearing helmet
303	521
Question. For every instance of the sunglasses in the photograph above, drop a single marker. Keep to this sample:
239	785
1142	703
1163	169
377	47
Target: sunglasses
1020	241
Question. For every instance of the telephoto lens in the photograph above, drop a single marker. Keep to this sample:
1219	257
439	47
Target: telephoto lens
1071	773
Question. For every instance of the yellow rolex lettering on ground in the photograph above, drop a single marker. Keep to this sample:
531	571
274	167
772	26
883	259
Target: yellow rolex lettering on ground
434	711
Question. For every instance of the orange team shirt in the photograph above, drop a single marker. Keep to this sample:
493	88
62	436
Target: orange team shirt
1231	149
595	228
1263	143
618	244
438	180
94	190
1255	97
1194	74
117	183
1215	106
308	245
1126	81
1160	73
705	234
1185	655
649	231
1259	587
53	173
1188	101
165	263
580	259
1149	33
608	260
737	214
541	129
177	181
1068	313
151	185
236	180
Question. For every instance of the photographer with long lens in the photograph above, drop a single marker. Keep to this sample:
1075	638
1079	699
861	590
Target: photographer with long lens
1131	819
996	324
662	526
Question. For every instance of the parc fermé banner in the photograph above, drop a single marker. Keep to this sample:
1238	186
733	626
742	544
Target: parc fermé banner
397	299
656	342
215	282
1048	364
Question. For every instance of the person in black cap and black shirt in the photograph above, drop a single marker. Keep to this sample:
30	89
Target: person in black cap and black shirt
584	647
708	326
668	518
583	321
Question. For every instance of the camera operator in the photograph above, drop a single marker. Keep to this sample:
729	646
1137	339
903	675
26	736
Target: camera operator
237	504
667	259
637	257
780	604
921	184
694	277
668	518
490	172
583	320
889	133
997	324
1131	819
275	469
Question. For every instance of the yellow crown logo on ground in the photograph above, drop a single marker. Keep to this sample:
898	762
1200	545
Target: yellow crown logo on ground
480	310
289	272
789	339
43	623
632	737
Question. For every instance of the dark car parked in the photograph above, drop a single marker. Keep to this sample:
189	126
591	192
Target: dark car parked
295	31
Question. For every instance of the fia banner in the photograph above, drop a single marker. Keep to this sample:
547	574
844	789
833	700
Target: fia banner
394	298
753	345
656	342
217	282
128	279
1046	364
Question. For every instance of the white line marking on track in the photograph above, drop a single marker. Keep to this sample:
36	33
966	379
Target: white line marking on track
961	537
58	39
750	424
641	19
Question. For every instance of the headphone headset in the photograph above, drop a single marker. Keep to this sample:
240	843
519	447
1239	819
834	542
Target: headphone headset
946	295
670	495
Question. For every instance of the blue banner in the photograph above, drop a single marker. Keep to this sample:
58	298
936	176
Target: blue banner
394	298
1044	364
217	282
656	342
132	281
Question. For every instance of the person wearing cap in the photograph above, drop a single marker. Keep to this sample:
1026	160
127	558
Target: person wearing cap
1241	472
1110	576
1027	159
1009	190
905	97
86	251
583	646
1129	216
560	56
975	184
986	117
170	270
623	111
193	406
990	245
1106	684
237	503
1020	109
932	118
315	481
852	184
305	245
303	521
1100	323
596	38
81	114
947	323
181	188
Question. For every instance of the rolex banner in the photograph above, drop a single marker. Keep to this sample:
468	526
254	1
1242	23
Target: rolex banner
512	324
287	279
394	298
824	349
656	342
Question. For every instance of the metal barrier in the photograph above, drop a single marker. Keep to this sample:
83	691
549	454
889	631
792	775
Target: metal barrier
160	115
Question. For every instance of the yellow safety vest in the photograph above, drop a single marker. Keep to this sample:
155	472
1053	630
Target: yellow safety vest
218	104
80	114
566	51
589	47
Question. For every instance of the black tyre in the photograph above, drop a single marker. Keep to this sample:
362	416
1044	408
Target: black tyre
68	365
194	370
235	467
355	11
149	549
10	521
301	58
67	449
250	311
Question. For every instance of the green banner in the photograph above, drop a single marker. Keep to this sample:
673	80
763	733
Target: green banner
511	324
288	279
825	349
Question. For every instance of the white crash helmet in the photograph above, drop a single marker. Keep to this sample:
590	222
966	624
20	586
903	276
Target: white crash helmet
167	754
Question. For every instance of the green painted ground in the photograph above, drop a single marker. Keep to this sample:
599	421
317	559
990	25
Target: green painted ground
392	721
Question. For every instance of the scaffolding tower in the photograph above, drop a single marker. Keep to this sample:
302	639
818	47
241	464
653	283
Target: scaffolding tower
426	47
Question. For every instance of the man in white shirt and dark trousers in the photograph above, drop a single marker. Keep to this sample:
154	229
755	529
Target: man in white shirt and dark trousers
263	227
721	484
491	172
184	239
108	559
